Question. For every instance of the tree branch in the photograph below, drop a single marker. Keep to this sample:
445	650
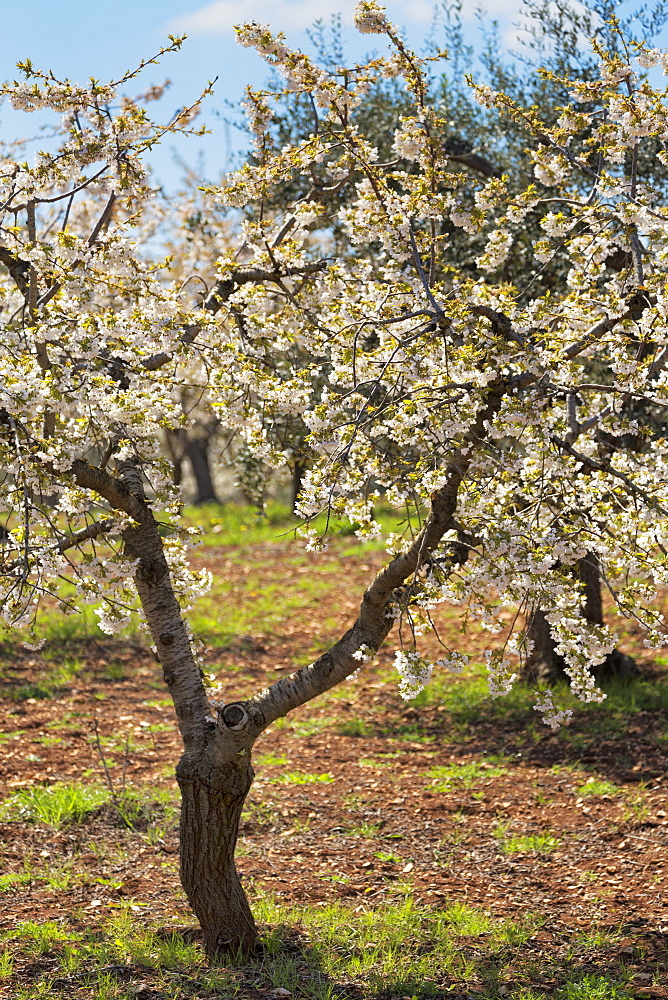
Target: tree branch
598	466
222	291
375	619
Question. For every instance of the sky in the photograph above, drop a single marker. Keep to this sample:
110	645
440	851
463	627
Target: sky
103	39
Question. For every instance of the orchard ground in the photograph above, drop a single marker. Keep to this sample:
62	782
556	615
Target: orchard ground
451	847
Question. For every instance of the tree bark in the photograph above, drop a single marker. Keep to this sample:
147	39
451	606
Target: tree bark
212	799
544	664
175	444
197	448
214	773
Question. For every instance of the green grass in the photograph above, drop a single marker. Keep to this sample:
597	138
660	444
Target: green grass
231	610
53	680
598	786
465	776
63	804
368	831
354	727
270	760
400	948
594	987
11	880
56	805
13	735
465	702
311	727
533	843
302	778
238	525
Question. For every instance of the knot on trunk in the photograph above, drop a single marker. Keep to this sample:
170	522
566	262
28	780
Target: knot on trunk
235	716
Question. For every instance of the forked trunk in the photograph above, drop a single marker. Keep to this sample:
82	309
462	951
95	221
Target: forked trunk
212	800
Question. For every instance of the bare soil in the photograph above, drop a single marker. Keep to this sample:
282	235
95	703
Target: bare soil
375	823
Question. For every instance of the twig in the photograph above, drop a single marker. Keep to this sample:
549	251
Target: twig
650	840
126	757
421	272
101	222
110	783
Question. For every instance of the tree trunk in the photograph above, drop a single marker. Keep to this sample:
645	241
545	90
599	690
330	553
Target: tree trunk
215	772
545	664
198	452
174	441
298	470
212	800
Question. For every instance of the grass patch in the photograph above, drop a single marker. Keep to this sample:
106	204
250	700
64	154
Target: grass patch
270	760
242	525
597	786
302	778
533	843
11	880
311	727
369	831
464	776
53	681
354	727
61	805
593	987
56	805
395	949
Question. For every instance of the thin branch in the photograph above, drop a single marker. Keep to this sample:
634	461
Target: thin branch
598	466
101	223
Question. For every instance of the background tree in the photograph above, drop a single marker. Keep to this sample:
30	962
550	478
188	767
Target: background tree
478	405
552	52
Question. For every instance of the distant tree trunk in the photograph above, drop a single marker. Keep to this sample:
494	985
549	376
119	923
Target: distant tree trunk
175	441
212	799
298	470
545	664
197	448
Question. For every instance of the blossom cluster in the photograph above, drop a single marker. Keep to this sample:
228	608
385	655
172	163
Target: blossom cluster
524	423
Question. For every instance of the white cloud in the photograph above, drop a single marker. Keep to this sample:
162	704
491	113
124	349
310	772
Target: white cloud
220	16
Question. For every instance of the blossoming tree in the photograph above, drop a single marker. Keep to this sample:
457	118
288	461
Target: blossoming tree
487	409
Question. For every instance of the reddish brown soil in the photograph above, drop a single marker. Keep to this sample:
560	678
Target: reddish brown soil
306	842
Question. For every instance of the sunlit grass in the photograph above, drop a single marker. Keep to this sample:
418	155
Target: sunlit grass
531	843
242	525
598	786
465	775
399	948
302	778
56	805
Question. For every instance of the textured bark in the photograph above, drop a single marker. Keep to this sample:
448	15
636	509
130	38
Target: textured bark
212	799
154	586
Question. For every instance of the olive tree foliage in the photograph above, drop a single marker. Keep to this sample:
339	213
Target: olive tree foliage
478	405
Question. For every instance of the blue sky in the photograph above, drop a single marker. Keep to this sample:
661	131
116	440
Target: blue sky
78	40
